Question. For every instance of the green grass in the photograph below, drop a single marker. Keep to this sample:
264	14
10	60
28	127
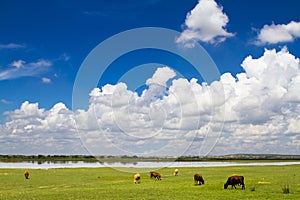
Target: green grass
262	182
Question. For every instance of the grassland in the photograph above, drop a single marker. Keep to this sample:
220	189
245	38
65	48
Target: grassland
262	182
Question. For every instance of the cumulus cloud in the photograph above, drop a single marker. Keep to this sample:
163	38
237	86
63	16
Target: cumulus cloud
34	130
23	69
258	113
278	33
158	83
206	23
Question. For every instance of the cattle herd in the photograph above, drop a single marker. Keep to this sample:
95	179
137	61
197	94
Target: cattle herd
233	180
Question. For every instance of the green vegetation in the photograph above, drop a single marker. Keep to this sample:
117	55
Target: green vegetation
286	188
262	182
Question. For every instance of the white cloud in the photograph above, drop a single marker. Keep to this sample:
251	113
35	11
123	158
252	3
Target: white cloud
41	63
27	110
64	57
158	83
4	101
46	80
11	46
259	113
34	130
23	69
206	23
17	63
278	33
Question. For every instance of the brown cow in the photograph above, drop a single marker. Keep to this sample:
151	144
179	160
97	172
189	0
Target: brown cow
155	175
235	180
198	179
136	178
26	174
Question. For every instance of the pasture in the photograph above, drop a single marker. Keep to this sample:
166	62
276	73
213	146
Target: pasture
262	182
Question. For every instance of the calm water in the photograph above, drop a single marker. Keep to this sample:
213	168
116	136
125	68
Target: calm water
80	164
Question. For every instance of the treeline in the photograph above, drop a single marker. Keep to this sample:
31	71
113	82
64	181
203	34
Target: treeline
20	158
240	157
126	158
85	158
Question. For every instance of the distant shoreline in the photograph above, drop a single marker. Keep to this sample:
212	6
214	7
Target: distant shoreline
125	158
136	165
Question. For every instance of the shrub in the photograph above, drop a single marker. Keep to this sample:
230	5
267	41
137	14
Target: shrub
285	188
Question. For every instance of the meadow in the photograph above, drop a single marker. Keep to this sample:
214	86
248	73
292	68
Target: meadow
262	182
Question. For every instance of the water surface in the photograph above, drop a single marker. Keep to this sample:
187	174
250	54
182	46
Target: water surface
82	164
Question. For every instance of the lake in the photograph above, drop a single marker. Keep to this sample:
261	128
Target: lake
82	164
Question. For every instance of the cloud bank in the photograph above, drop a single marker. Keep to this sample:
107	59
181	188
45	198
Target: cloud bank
206	23
258	113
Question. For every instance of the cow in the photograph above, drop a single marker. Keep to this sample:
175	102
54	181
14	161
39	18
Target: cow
26	174
235	180
136	178
155	175
198	179
176	172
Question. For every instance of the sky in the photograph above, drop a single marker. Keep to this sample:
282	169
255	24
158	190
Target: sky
153	77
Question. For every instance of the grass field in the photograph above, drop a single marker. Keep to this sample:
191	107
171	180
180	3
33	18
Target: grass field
262	182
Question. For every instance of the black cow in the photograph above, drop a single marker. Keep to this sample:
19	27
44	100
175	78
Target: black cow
155	175
198	179
235	180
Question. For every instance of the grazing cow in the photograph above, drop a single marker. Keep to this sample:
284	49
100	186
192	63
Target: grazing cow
235	180
155	175
176	172
136	178
198	179
26	174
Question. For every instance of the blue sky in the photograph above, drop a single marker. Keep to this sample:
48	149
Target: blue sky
65	32
44	43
